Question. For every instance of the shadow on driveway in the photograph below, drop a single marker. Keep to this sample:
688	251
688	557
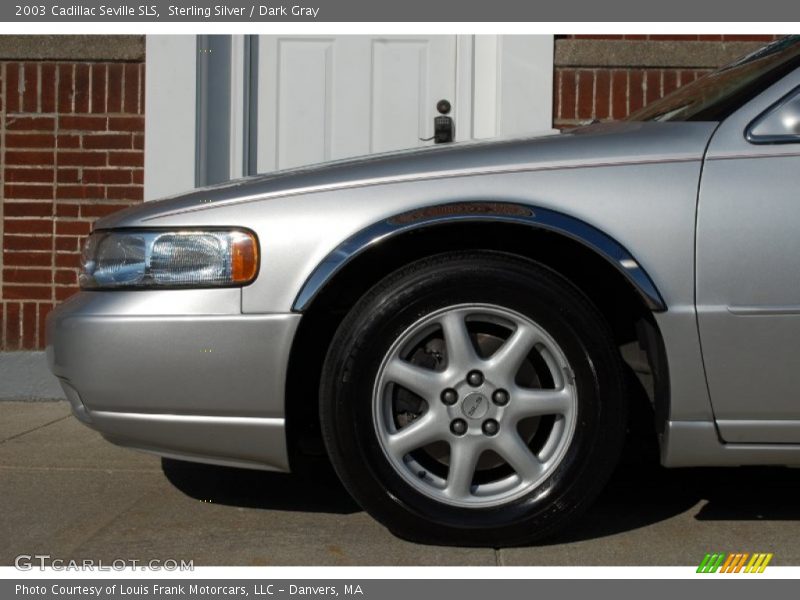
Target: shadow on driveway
637	496
641	492
317	493
647	494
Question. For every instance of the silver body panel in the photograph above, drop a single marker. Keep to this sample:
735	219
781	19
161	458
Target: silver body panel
135	359
187	376
748	279
300	217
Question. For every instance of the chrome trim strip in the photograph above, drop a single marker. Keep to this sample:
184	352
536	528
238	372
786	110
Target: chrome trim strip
762	153
755	311
505	212
188	419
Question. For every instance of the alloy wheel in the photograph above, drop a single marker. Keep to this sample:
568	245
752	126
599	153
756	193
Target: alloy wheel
474	405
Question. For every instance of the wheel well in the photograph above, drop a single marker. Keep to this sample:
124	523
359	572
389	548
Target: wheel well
630	319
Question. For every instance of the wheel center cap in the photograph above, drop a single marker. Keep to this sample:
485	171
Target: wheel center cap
475	405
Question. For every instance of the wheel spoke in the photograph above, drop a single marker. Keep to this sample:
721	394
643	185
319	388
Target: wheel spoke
471	404
463	461
460	351
517	454
418	433
425	383
508	359
537	403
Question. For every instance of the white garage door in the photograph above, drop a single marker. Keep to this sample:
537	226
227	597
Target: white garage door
323	98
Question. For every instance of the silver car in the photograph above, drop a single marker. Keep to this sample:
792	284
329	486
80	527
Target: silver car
457	328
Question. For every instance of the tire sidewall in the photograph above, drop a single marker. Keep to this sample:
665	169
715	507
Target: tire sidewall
386	313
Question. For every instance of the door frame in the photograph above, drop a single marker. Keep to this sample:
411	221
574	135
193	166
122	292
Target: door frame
504	85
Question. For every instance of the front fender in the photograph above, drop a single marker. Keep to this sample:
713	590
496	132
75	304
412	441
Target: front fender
604	245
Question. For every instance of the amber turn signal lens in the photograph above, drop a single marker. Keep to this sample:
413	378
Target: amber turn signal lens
244	257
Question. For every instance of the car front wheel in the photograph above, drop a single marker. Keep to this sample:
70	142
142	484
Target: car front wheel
473	399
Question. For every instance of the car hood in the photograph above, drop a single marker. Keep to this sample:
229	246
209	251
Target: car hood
591	146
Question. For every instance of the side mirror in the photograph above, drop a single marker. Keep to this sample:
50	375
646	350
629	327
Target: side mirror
779	124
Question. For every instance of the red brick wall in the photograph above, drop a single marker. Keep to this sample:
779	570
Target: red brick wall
582	94
610	94
71	140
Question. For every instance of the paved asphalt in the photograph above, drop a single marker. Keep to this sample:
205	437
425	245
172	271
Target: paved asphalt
68	493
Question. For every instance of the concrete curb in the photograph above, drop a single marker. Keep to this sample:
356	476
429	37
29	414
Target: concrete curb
24	376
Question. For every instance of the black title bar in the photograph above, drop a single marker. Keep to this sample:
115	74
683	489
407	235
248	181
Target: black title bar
262	11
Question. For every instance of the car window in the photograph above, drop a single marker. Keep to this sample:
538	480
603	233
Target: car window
718	94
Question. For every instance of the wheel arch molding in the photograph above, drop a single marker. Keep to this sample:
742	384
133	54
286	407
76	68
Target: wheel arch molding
515	213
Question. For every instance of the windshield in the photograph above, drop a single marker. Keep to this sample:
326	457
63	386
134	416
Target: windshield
715	96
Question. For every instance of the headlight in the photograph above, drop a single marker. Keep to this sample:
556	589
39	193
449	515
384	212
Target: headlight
138	258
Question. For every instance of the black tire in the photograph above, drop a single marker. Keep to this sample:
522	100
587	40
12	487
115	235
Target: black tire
376	321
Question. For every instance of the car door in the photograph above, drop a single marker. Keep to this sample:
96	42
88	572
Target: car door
748	268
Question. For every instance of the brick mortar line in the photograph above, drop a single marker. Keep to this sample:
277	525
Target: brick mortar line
37	218
39	87
87	201
122	89
140	89
90	88
81	150
575	92
44	183
20	85
627	93
105	97
35	132
4	117
73	73
57	77
559	92
84	61
72	113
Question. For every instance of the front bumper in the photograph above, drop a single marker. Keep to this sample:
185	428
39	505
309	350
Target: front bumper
179	373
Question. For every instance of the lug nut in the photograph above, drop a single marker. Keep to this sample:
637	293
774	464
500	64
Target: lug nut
458	426
475	378
449	396
500	397
490	427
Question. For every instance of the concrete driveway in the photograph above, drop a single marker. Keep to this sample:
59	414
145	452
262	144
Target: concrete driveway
68	493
